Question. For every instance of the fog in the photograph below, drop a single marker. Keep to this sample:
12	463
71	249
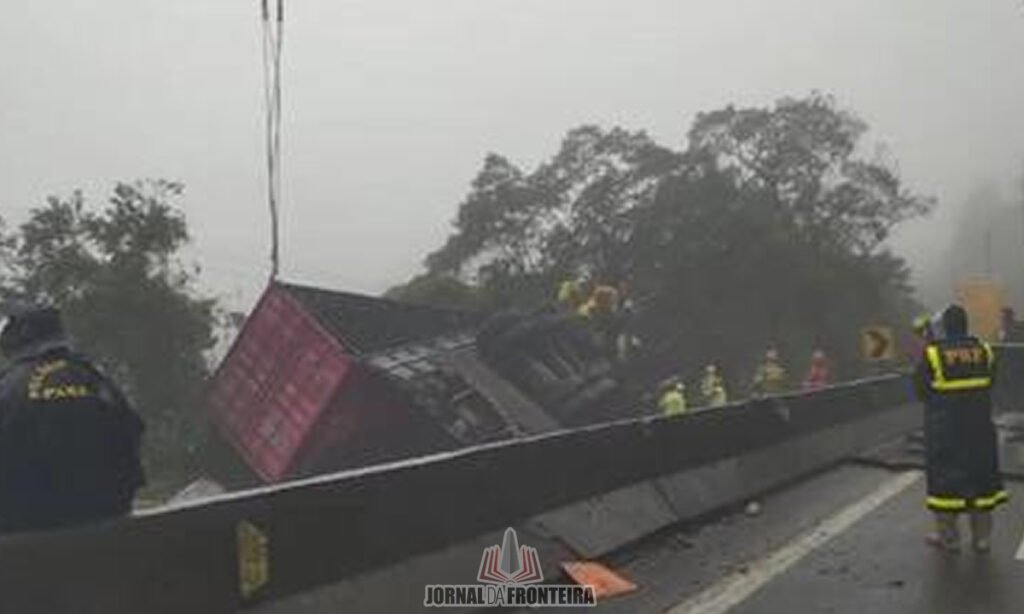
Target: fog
391	105
986	241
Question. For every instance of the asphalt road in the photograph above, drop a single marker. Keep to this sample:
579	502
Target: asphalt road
881	565
673	567
848	540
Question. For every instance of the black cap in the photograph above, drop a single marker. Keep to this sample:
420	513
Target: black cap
954	322
28	326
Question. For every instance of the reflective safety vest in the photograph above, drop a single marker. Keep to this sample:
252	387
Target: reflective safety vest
569	293
963	364
770	378
673	402
713	390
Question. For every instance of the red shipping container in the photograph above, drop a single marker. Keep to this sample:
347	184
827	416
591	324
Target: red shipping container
275	383
292	397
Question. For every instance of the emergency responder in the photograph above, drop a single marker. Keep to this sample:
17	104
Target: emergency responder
673	398
1010	394
712	387
818	374
922	328
602	313
570	295
603	301
69	441
770	376
1009	328
954	379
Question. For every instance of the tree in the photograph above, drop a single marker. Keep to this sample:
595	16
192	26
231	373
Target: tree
8	247
516	234
443	291
802	154
130	303
985	241
732	266
768	228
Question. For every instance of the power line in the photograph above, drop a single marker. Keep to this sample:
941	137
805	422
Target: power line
273	39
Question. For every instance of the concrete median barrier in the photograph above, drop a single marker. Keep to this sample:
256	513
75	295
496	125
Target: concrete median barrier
243	549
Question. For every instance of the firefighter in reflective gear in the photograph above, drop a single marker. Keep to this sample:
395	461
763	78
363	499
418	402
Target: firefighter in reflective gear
69	441
818	375
602	313
603	302
570	295
712	387
954	379
923	335
923	327
673	398
770	376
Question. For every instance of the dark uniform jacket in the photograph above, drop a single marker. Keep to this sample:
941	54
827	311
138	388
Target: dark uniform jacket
954	379
69	444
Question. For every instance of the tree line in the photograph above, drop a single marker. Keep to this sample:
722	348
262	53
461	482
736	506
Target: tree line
129	302
768	227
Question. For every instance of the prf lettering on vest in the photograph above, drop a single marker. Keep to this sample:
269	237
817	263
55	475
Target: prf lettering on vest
963	356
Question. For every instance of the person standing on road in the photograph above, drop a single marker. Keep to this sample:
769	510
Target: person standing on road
818	374
921	336
69	440
770	377
570	295
712	388
673	398
954	380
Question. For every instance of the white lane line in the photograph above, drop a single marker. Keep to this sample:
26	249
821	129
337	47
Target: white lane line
1020	551
737	587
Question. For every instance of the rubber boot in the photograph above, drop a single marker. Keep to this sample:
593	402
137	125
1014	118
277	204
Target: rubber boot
981	532
947	534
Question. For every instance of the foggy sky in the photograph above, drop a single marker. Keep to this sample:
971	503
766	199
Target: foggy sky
391	105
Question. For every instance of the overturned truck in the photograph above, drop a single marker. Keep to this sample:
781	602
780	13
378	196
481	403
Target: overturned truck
319	380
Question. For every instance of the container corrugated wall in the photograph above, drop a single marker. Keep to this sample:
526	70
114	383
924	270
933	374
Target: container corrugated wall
275	384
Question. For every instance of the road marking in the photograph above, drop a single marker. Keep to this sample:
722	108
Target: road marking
737	587
1020	551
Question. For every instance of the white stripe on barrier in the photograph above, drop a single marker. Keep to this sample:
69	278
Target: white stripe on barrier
736	588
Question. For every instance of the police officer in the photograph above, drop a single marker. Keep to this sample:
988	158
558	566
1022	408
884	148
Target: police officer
954	379
69	441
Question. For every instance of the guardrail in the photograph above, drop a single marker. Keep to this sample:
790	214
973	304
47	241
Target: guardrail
241	549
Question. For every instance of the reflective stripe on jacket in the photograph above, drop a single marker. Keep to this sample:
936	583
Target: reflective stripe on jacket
960	367
954	379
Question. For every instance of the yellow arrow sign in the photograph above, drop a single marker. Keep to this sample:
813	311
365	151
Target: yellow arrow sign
877	343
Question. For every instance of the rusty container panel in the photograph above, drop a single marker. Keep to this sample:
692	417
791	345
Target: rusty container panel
368	422
275	383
